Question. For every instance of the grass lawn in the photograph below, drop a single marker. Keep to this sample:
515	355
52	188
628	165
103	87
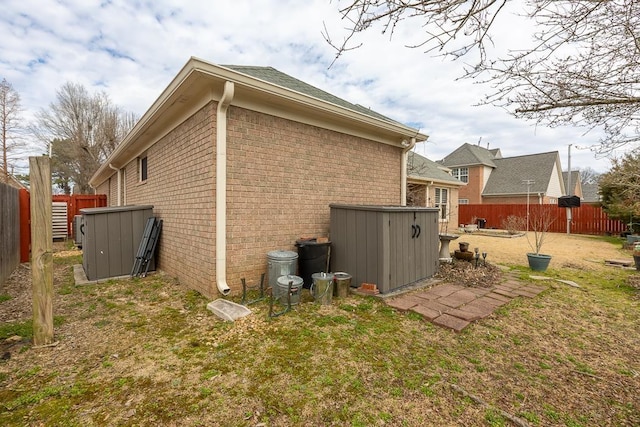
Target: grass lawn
147	352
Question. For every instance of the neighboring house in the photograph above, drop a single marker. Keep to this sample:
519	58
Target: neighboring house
493	179
239	161
12	180
576	185
471	164
591	193
431	184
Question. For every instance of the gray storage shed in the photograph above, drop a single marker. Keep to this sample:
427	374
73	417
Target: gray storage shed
386	245
110	239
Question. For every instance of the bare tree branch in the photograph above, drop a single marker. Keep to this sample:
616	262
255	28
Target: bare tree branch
582	69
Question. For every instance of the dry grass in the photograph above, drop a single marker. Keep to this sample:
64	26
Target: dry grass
147	352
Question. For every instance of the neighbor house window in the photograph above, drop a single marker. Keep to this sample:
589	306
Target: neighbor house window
461	173
463	201
442	194
142	168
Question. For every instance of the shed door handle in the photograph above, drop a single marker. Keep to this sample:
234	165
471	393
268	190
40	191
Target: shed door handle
413	232
418	228
82	229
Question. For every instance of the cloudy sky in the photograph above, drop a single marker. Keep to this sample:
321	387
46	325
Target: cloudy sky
131	49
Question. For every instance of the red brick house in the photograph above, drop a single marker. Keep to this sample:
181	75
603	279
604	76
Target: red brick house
239	161
493	179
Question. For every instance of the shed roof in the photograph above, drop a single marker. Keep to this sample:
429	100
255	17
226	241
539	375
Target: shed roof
510	174
469	155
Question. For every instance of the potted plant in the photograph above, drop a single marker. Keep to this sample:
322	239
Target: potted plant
541	218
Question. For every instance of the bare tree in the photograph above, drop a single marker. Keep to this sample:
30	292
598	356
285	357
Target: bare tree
9	125
589	175
82	130
583	67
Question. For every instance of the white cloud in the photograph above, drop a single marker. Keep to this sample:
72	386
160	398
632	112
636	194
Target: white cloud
132	50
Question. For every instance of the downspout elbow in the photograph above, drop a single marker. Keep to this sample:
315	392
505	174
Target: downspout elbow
403	170
221	188
119	178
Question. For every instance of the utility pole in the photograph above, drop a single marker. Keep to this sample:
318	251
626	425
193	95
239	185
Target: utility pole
528	182
569	192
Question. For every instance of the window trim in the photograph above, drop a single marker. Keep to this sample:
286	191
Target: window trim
143	168
458	174
439	203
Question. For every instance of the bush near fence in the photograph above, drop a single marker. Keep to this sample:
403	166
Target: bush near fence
9	231
587	219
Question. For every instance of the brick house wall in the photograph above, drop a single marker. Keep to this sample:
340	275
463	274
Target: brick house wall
180	187
473	190
514	200
281	177
104	189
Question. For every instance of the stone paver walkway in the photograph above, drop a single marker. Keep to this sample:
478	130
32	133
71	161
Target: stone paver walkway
455	306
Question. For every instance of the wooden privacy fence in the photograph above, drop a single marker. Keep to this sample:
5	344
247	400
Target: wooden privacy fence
587	219
80	201
9	231
74	204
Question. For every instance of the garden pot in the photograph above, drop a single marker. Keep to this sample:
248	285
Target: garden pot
538	262
464	246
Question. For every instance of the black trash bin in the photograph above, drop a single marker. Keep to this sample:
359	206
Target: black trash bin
482	222
313	257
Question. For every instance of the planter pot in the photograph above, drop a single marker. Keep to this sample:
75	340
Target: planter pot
467	256
464	246
538	262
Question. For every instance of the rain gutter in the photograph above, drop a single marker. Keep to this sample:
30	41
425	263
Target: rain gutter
403	169
119	177
221	187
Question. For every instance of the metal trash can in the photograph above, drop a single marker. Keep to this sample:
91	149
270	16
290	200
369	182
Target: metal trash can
482	222
313	257
280	263
280	291
341	284
322	287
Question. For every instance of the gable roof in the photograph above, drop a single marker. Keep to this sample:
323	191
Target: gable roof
510	173
261	89
423	169
591	193
271	75
575	181
471	155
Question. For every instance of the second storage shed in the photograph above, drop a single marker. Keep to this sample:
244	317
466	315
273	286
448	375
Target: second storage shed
386	245
110	239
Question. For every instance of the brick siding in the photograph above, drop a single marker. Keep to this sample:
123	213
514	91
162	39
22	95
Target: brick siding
282	175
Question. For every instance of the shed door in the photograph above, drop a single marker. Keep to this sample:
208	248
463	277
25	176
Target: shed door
412	247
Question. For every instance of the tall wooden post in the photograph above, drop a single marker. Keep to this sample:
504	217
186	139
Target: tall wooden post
41	249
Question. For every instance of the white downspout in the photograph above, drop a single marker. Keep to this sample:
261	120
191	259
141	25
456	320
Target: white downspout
221	188
119	192
403	170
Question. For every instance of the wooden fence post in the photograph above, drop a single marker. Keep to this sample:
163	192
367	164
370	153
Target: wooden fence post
41	249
